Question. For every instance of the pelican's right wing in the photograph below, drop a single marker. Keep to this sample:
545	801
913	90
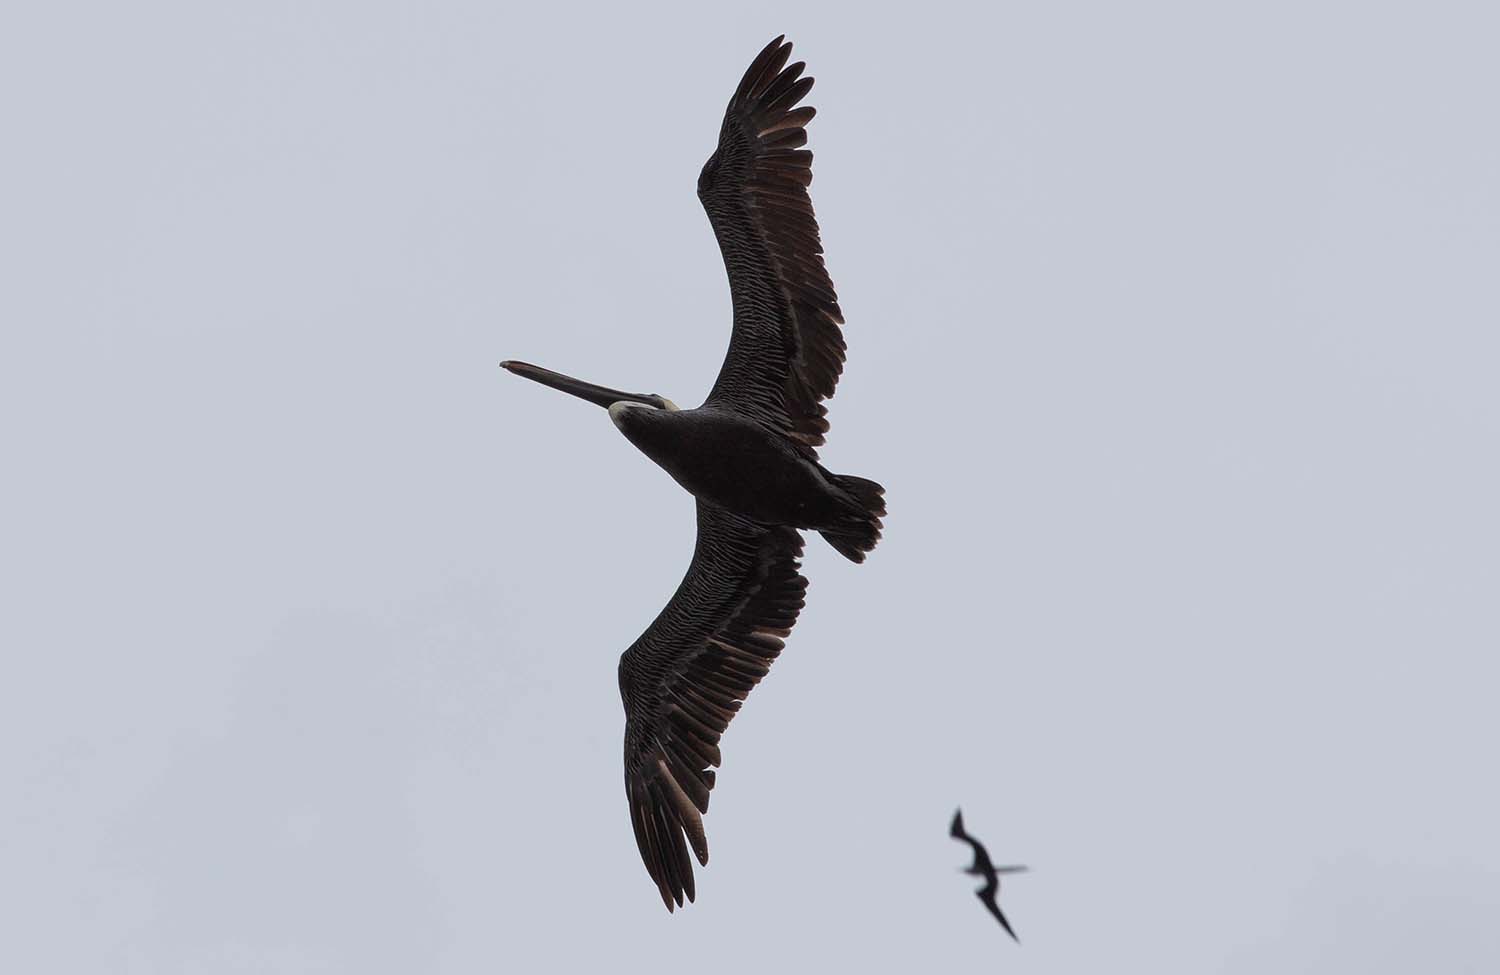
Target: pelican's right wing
686	676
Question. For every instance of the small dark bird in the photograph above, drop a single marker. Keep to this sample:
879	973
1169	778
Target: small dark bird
982	867
748	456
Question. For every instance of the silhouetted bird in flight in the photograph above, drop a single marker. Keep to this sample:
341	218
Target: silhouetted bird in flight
749	457
982	867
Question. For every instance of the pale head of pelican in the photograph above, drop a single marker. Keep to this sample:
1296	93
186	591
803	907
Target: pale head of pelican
618	410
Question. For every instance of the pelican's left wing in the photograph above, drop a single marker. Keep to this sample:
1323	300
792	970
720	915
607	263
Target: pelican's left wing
686	676
787	348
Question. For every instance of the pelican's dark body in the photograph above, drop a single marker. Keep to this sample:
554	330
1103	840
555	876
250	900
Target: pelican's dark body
739	465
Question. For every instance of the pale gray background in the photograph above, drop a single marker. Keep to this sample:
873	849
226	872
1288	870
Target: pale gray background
1172	333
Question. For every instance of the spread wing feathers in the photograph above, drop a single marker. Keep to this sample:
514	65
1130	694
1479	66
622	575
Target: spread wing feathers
686	676
981	855
987	898
787	349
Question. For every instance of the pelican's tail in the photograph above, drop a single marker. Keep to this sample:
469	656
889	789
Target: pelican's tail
859	529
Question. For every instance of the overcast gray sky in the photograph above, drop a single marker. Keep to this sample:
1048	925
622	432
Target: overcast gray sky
1173	335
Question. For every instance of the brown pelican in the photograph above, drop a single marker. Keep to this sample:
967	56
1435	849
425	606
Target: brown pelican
982	867
748	456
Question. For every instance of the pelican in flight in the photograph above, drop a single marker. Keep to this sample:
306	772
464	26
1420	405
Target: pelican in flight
982	867
748	455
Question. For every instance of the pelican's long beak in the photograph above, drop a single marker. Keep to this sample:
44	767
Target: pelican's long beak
598	395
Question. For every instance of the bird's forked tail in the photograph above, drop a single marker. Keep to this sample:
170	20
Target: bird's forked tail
859	529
